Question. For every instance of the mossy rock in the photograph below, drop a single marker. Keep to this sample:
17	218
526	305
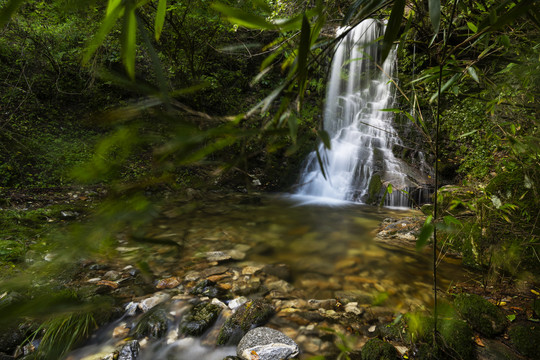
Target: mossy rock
251	314
374	189
154	323
482	315
376	349
455	342
526	339
457	339
199	319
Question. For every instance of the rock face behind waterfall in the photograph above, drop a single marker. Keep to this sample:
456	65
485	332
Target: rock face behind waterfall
360	163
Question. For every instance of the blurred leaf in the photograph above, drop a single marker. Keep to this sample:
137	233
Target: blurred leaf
435	14
303	52
451	220
243	18
293	127
389	188
129	34
392	29
101	34
511	317
362	8
160	18
8	10
425	233
321	164
325	138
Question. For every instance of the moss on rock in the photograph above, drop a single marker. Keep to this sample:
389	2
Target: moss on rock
199	319
154	323
251	314
482	315
526	339
376	349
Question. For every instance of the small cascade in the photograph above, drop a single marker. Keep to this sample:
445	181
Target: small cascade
360	164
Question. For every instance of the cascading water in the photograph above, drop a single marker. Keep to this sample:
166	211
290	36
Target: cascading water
362	136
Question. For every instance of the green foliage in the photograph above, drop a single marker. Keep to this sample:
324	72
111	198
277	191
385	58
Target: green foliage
63	332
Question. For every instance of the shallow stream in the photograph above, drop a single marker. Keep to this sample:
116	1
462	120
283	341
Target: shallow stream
330	250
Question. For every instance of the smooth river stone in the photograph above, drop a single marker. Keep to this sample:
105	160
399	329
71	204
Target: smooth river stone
266	344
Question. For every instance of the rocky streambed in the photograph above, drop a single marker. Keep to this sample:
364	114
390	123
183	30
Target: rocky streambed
263	278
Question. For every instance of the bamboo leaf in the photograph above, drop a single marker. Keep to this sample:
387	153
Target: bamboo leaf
303	52
293	127
160	18
325	138
435	14
425	233
243	18
472	27
321	164
8	10
445	86
392	29
111	6
103	31
473	74
129	34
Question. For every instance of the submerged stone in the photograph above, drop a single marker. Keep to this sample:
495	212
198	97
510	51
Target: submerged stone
251	314
130	351
264	343
206	288
154	323
199	319
482	315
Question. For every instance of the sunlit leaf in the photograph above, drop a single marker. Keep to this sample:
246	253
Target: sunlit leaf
473	74
435	14
425	233
392	29
243	18
8	10
472	27
160	18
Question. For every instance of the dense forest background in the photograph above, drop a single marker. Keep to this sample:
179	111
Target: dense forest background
139	97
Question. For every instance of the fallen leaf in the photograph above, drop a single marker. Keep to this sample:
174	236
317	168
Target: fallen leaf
535	292
168	283
108	283
478	341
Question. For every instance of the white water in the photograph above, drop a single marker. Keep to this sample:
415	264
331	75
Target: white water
361	134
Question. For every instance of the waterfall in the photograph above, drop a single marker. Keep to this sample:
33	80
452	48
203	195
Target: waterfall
360	162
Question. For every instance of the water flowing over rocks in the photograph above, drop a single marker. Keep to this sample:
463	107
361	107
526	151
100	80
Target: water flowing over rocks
266	344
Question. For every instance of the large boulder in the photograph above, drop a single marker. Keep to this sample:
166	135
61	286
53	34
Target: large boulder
266	344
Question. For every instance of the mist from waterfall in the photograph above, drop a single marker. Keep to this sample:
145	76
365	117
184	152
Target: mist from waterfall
362	136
